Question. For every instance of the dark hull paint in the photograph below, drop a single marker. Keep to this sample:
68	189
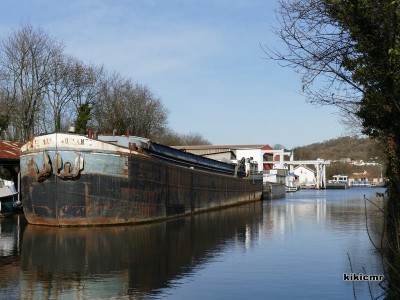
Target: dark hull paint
337	186
153	190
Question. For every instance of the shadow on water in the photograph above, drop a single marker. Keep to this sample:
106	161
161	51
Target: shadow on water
125	261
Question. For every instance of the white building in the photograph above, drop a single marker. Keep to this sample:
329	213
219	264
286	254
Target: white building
274	164
307	177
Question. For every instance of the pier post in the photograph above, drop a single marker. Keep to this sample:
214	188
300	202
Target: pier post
318	176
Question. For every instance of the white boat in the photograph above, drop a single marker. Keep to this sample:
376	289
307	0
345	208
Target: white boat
290	183
9	201
338	182
274	184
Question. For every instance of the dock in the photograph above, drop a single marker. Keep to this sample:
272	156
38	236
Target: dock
273	191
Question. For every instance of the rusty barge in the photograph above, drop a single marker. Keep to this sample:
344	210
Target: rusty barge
74	180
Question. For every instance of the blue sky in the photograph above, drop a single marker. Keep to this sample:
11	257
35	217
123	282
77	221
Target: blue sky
202	58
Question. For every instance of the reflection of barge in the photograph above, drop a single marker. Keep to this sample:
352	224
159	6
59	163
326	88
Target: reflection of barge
69	179
129	262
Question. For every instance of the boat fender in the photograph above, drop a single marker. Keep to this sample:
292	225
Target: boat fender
57	163
45	172
78	166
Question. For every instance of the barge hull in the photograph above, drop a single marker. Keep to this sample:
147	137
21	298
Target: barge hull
145	189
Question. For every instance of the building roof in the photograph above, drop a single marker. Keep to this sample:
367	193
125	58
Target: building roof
226	147
203	150
304	167
10	150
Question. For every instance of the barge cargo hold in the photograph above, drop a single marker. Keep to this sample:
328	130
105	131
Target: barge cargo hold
74	180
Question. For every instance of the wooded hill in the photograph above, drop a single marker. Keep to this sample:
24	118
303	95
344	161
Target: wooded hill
355	148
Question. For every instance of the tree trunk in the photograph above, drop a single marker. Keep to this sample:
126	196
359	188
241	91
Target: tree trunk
392	144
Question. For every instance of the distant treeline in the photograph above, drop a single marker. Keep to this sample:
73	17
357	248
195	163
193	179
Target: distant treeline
353	147
44	90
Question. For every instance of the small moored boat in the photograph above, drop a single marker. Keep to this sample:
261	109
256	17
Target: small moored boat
8	198
338	182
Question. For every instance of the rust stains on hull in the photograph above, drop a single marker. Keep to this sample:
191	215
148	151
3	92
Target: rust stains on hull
152	191
148	189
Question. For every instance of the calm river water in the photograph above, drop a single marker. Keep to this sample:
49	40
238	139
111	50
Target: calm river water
294	248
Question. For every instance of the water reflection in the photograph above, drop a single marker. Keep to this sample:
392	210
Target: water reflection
128	260
11	231
318	230
275	249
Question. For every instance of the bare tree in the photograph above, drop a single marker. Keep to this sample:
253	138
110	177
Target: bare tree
73	86
26	58
171	138
43	90
348	54
87	81
278	147
319	49
125	106
108	113
147	116
5	109
58	92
